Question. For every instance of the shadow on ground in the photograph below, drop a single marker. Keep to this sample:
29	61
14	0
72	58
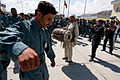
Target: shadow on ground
116	47
80	38
82	44
114	54
107	46
76	71
109	65
118	42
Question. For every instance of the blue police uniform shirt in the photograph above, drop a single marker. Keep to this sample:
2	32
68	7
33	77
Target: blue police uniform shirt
61	22
4	21
26	34
1	27
13	20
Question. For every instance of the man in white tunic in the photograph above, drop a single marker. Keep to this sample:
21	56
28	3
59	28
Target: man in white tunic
73	27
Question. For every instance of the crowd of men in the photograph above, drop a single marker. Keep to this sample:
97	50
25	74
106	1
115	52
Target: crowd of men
17	39
86	27
94	31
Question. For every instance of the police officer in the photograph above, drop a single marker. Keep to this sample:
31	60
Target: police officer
14	17
98	31
117	29
4	60
109	36
22	16
91	26
61	22
28	41
3	20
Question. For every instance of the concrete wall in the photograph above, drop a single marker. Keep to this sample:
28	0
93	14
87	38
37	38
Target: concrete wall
114	13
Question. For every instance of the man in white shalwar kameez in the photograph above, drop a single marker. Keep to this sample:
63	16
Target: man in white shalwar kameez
73	27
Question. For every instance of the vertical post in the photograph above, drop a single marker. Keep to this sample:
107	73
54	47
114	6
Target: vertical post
85	8
21	4
59	6
68	8
63	8
22	7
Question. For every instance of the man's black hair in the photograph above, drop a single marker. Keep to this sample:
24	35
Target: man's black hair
22	13
32	15
101	21
45	7
12	9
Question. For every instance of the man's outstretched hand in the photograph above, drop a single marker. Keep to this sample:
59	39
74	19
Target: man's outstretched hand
28	60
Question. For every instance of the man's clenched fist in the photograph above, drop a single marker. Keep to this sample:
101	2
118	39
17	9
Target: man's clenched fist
28	60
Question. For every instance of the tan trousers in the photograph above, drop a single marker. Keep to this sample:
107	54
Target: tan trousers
68	52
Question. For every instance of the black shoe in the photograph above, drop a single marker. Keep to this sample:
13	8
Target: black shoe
84	36
103	50
68	61
65	58
91	60
111	53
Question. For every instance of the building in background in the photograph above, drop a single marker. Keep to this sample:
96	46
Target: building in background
116	8
87	16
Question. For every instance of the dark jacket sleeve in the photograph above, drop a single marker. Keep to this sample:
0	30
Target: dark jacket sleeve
12	39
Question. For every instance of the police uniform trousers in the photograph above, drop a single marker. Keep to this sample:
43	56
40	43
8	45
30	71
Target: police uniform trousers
3	69
95	44
110	42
